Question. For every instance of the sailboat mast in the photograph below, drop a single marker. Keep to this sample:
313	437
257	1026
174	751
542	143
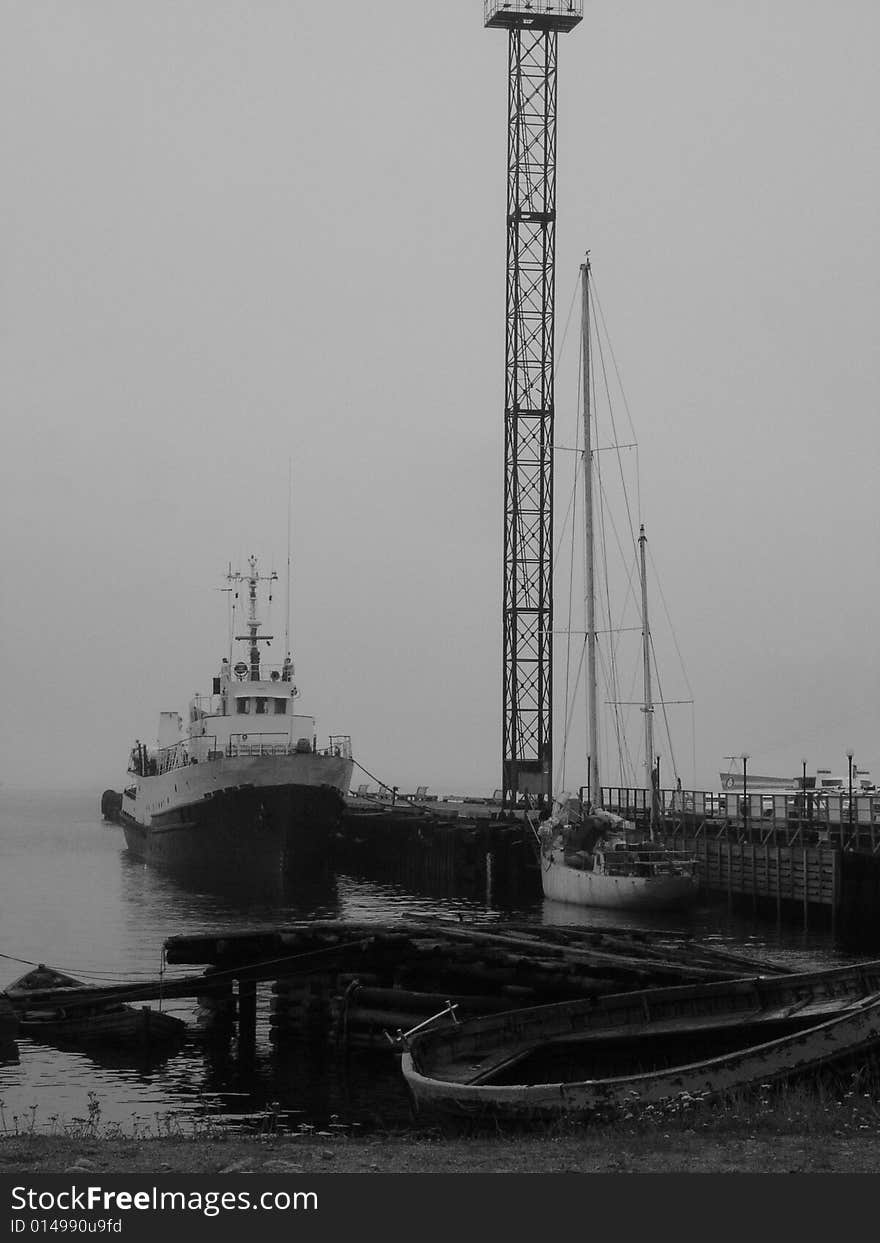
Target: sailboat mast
648	708
589	554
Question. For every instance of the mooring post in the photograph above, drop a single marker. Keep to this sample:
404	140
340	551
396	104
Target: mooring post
754	876
217	1005
835	886
777	854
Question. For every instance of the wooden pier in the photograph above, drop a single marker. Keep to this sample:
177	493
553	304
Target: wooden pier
434	847
813	860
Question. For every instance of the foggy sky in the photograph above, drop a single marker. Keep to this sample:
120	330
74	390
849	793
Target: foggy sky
239	235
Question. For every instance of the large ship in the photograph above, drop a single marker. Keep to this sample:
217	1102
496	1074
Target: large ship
240	781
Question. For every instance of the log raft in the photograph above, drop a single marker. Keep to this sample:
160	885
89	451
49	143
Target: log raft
355	985
361	985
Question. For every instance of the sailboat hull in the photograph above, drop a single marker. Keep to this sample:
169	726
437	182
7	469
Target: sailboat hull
563	883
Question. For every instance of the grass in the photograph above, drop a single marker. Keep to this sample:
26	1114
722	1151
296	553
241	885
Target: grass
823	1105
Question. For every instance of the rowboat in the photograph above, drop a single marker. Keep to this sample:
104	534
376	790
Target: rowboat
45	1014
644	1047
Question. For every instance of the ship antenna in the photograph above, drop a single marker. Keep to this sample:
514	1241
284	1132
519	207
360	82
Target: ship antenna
287	618
233	578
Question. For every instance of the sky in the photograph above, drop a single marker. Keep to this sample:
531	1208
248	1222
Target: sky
253	260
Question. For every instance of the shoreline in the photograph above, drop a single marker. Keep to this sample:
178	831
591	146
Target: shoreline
729	1145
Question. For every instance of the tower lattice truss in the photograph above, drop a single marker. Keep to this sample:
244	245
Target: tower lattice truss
528	534
533	28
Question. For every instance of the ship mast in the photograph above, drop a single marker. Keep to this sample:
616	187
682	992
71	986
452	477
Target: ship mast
253	638
593	767
648	708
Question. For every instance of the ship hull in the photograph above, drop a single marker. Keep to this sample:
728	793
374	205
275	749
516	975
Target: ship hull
268	814
562	883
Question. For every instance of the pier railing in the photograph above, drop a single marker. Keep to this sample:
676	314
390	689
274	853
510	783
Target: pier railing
816	818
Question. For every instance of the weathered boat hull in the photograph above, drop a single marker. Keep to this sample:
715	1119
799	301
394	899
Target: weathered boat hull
843	1036
274	813
8	1022
44	1013
563	883
124	1028
643	1046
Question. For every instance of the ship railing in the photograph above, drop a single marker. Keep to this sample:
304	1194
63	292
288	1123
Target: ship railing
265	743
280	744
241	672
170	758
259	748
625	862
340	745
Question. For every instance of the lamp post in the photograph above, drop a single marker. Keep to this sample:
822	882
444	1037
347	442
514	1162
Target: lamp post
804	790
849	756
745	760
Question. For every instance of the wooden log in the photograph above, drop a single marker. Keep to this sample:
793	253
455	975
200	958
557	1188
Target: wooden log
361	1017
421	1003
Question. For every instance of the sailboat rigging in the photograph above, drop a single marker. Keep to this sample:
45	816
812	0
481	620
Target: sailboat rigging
586	852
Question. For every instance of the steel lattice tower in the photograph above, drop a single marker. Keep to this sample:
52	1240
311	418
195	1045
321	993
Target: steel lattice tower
528	392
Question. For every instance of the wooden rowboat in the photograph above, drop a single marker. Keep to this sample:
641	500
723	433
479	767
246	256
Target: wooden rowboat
44	1014
643	1047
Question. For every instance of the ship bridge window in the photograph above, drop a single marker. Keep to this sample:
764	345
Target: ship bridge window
261	703
280	707
242	706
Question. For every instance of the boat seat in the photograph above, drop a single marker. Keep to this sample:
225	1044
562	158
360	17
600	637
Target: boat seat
472	1072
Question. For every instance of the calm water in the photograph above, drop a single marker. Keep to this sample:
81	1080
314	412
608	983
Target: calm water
71	896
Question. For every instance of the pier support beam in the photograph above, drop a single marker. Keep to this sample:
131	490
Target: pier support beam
247	1019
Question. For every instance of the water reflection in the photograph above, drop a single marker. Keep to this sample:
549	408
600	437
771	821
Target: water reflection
212	893
9	1052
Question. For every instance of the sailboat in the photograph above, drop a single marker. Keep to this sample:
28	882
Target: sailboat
589	856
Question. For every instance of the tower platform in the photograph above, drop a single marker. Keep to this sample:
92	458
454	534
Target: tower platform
561	15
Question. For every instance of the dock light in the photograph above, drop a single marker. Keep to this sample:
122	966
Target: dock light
849	756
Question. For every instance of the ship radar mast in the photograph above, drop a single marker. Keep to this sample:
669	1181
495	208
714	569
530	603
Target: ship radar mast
253	638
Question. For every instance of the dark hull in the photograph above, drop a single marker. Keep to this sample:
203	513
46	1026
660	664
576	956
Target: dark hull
245	829
45	1010
8	1022
122	1028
